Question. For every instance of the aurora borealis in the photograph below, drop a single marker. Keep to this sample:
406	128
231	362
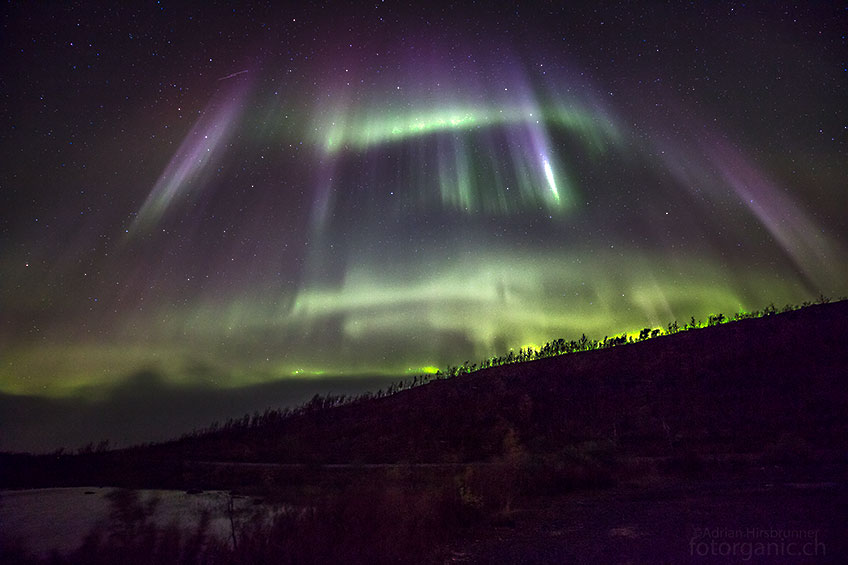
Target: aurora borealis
232	195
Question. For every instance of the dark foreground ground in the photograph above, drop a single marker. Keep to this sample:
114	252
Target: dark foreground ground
764	516
677	522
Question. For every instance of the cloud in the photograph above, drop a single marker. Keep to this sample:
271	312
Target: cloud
145	407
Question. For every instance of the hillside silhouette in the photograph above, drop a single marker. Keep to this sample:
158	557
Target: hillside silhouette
741	387
729	388
670	432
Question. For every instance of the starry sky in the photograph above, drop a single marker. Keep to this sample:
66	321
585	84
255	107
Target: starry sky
230	194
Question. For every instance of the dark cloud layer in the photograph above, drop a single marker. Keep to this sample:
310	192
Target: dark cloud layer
145	408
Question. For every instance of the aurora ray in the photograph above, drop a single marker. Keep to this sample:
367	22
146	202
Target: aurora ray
549	174
200	149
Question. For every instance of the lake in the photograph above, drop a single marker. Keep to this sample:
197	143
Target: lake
41	521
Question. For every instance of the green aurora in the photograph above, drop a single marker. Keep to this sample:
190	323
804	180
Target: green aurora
345	201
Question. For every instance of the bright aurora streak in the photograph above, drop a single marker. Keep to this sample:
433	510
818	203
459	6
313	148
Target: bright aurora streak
386	201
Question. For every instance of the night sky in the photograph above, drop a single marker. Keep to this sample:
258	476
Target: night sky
223	196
